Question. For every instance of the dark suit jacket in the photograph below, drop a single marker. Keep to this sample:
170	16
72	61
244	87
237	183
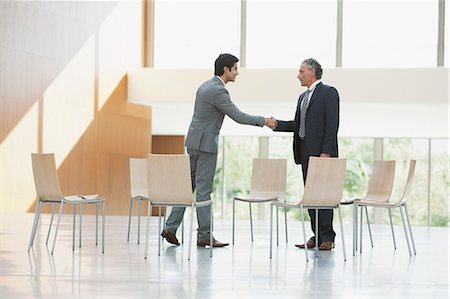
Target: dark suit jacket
321	125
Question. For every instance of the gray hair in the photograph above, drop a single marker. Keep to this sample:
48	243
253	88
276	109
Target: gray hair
314	65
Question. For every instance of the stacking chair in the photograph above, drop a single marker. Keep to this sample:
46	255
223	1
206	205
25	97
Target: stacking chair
323	190
138	187
48	191
169	184
379	190
401	203
268	184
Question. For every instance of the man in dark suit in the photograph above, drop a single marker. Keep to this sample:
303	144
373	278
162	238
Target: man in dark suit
315	128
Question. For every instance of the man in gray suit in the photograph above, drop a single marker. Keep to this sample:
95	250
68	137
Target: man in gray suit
212	103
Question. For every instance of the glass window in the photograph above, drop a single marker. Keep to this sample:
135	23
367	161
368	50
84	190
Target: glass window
192	34
440	183
359	154
402	150
390	33
281	34
281	148
239	154
446	33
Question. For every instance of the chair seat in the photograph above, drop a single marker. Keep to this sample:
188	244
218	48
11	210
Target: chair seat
175	204
256	198
83	199
286	204
377	204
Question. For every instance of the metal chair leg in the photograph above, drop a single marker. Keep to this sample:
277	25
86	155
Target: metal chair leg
103	226
73	227
57	226
392	228
271	229
342	233
278	230
410	230
149	206
285	223
51	222
182	230
159	229
355	225
163	210
368	226
316	239
232	228
96	223
304	234
251	220
164	217
35	224
139	221
360	229
356	228
190	231
81	221
129	219
406	232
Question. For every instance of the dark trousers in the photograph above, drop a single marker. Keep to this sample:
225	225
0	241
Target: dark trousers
326	232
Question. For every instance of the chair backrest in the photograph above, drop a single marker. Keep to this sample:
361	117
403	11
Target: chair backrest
269	177
324	182
409	181
46	177
169	179
381	181
138	177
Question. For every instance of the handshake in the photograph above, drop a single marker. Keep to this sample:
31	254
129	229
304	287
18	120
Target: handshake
271	122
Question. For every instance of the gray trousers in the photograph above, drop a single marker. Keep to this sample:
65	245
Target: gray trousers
203	168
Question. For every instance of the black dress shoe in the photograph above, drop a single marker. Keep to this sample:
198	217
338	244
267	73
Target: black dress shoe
170	237
204	243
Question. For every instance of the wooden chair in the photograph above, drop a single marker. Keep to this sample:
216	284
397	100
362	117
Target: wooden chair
169	184
138	187
379	190
323	190
401	203
268	184
48	191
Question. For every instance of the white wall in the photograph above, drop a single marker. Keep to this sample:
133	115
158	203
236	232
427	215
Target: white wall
374	102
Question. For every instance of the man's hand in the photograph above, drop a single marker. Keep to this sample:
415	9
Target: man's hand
323	155
271	122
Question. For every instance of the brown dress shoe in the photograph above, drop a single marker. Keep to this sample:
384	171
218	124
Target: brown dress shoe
170	237
204	243
326	245
310	244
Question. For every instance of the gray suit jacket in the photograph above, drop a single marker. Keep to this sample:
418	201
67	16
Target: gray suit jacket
212	102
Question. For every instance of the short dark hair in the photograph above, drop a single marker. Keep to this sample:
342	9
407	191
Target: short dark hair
314	65
227	60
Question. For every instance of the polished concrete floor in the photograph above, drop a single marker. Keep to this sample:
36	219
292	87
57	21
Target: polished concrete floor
240	271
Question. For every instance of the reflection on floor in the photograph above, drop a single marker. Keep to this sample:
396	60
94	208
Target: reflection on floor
240	271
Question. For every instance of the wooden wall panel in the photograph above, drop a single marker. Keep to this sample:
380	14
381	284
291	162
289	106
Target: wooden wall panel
99	161
165	144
